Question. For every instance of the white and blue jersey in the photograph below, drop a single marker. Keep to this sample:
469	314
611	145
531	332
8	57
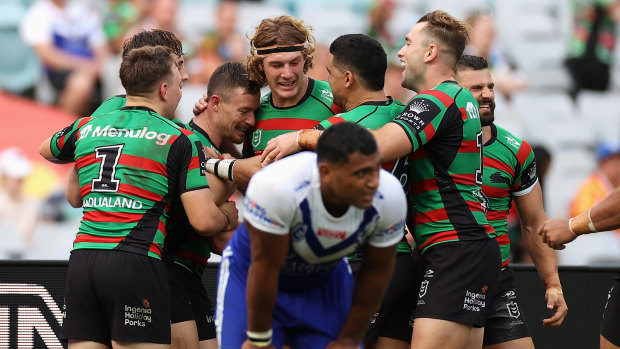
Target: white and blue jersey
285	198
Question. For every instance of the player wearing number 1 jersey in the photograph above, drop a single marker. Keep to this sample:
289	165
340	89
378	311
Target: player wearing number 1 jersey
130	164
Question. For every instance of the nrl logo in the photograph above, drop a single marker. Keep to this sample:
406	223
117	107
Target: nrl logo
423	288
326	94
513	310
256	137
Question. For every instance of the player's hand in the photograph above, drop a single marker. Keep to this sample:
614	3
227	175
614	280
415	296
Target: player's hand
248	345
555	233
233	215
555	302
279	147
201	105
342	344
218	242
211	153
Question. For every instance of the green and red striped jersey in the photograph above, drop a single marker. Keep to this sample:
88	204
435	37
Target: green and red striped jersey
111	104
443	126
373	115
131	163
183	243
509	170
116	103
315	106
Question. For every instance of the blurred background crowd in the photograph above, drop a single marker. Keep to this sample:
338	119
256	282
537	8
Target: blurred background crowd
554	62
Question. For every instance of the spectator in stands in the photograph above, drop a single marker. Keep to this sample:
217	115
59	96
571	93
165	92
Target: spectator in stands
379	15
69	39
592	44
18	214
604	179
120	17
504	71
221	45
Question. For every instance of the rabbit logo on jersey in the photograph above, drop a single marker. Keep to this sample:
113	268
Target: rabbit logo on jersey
107	131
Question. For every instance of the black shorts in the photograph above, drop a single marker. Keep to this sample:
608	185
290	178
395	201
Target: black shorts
116	295
505	321
394	319
190	300
459	279
610	327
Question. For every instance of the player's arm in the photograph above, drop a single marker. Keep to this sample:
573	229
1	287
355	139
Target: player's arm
269	253
604	216
218	242
392	141
414	127
532	214
221	190
372	280
289	143
186	170
46	152
204	216
74	197
238	171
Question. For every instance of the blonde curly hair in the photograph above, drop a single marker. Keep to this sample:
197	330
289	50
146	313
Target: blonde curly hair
279	31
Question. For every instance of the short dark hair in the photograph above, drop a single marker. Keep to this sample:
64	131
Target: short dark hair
451	32
142	69
229	76
341	140
154	37
362	55
471	62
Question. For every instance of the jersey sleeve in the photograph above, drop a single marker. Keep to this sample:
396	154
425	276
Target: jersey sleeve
186	164
420	120
63	142
269	205
392	207
329	122
526	178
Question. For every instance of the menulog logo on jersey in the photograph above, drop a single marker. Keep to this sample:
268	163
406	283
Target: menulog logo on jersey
107	131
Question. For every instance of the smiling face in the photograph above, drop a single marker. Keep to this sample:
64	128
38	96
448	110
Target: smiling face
236	114
411	57
285	76
480	84
336	81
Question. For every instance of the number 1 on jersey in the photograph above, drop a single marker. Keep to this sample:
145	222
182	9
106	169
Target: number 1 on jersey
109	156
479	170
